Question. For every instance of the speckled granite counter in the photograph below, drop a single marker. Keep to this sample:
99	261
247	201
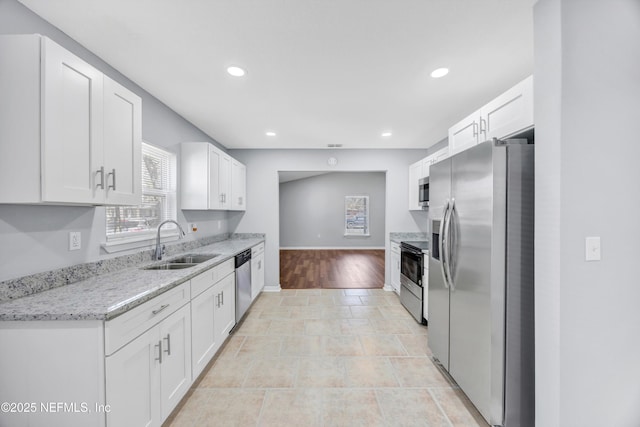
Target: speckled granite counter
106	296
399	237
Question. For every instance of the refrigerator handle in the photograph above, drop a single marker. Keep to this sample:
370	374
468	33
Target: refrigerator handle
442	245
450	244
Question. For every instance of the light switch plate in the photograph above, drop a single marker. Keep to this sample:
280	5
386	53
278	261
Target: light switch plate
75	240
592	248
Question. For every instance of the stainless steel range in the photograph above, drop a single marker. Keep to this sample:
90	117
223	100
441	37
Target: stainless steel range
412	256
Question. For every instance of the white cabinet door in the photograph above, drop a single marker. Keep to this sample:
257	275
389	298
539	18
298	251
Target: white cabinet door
511	112
204	342
224	176
225	314
215	188
440	155
72	126
395	267
133	383
257	270
219	179
238	186
425	293
415	173
175	366
195	181
464	134
122	144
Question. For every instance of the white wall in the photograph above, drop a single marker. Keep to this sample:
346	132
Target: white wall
35	238
262	191
587	92
312	211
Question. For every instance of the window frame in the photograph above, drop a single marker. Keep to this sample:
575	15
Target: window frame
348	231
135	239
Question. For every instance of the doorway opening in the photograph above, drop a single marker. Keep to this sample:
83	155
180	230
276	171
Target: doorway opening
332	230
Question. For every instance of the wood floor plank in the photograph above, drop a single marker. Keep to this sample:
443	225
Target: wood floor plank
332	269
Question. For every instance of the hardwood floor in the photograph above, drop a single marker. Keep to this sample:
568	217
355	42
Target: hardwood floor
332	269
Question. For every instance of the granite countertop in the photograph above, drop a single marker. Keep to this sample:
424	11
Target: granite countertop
106	296
399	237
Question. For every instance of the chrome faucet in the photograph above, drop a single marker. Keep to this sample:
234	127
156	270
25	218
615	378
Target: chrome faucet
160	249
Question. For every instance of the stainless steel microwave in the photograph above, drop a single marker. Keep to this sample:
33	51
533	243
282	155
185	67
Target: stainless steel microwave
423	192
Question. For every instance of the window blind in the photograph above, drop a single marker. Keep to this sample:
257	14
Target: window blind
158	198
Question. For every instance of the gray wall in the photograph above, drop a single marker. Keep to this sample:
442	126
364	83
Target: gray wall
262	191
587	106
312	210
42	231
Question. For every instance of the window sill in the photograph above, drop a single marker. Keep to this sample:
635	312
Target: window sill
128	243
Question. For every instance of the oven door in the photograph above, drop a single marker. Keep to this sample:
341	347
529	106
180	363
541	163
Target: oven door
411	265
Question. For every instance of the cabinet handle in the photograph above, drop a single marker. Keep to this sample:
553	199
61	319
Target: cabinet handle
475	129
168	350
162	307
240	200
483	128
259	264
113	174
218	300
221	198
101	173
222	293
159	345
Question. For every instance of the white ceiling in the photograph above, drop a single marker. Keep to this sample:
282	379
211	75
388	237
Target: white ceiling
319	71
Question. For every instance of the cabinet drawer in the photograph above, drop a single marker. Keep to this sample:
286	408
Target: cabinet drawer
204	281
133	323
257	250
395	247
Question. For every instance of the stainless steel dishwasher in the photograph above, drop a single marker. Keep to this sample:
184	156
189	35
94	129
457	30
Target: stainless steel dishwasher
243	283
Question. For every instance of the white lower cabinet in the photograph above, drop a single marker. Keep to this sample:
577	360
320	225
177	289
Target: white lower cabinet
395	267
146	378
257	270
425	289
212	313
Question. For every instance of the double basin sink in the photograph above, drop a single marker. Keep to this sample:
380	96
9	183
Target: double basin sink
184	261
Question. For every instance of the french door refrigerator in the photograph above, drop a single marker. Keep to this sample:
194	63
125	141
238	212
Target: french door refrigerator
481	276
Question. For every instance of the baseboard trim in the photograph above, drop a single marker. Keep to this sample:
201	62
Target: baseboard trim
272	288
329	248
387	288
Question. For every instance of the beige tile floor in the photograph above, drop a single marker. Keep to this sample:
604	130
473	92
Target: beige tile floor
324	357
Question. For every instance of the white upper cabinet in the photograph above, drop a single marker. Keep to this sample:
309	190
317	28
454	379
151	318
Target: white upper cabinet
68	134
238	186
122	144
72	137
419	170
508	114
209	178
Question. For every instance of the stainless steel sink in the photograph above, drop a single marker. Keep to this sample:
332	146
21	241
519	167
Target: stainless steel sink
184	261
192	259
169	266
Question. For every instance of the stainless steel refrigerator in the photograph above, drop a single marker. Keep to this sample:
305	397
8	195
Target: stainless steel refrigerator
481	319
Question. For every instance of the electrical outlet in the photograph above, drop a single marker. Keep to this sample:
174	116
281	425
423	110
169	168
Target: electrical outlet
75	240
193	227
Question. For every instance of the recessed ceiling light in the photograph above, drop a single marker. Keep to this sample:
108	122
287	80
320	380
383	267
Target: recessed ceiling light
385	134
440	72
236	71
270	133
